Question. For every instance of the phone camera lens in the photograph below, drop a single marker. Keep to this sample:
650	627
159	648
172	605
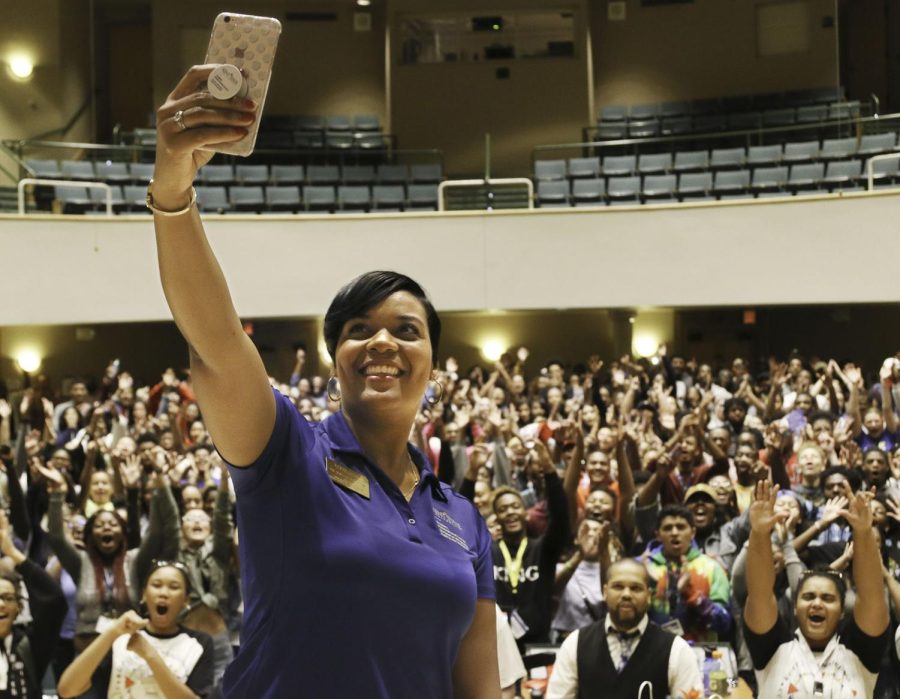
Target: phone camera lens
227	18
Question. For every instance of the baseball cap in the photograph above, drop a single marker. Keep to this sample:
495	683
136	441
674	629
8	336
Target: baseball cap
700	488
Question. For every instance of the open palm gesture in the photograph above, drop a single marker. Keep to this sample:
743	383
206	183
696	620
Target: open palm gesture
763	516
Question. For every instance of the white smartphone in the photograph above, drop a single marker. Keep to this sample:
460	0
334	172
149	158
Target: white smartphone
248	43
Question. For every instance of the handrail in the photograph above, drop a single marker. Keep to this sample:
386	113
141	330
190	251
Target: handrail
870	169
713	135
11	154
487	181
64	129
135	148
63	183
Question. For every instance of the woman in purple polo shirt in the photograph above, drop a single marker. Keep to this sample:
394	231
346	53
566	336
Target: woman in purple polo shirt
362	574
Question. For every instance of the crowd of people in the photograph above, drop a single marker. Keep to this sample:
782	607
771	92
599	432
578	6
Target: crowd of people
638	509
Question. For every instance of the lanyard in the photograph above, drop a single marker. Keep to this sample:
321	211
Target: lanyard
514	567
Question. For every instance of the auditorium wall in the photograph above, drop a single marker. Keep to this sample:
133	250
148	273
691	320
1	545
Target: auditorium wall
706	48
56	34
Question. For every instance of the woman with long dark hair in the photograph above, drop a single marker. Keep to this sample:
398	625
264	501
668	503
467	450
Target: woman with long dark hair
106	572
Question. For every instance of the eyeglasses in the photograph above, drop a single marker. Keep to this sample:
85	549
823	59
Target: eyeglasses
9	598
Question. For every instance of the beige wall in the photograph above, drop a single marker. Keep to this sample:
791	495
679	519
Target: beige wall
320	67
703	49
452	105
56	34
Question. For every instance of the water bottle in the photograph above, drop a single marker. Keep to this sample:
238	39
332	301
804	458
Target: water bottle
710	665
718	678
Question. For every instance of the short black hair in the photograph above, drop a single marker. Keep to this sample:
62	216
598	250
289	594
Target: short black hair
852	475
367	291
675	511
817	415
147	437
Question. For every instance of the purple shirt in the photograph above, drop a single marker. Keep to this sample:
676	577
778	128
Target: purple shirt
347	596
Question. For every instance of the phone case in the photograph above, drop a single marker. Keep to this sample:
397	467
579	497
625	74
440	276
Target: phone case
249	43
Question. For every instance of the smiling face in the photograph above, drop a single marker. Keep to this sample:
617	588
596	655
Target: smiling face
627	594
9	607
510	511
723	487
165	596
598	469
818	610
383	359
100	490
600	506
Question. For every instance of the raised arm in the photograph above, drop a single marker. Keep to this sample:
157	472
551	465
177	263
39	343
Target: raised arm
66	553
887	400
871	611
161	540
761	610
225	366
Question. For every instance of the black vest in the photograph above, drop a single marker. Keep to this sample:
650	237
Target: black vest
597	676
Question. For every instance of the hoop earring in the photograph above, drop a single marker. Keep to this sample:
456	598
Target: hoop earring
333	389
432	399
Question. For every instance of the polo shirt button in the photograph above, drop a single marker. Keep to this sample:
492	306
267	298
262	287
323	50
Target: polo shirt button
411	520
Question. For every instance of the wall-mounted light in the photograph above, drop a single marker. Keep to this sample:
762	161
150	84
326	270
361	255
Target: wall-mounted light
21	66
28	360
645	345
363	3
492	350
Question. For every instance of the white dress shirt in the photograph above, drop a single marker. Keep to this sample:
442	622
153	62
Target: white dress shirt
683	672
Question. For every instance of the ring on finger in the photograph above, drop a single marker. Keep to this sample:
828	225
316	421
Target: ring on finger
179	119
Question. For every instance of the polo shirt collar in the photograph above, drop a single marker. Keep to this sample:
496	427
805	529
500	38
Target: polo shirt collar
343	440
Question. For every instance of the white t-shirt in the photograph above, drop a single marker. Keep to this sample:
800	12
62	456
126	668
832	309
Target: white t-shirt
131	676
786	666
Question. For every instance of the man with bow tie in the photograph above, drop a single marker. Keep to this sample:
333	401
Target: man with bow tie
612	657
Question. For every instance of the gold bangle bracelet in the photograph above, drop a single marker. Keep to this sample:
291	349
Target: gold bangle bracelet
162	212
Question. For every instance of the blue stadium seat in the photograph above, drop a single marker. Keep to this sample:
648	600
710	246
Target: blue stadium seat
216	175
46	169
427	173
422	196
875	144
212	199
584	167
354	197
764	155
251	198
548	170
623	188
322	175
806	176
660	187
691	160
800	152
613	112
317	197
843	174
283	198
654	163
288	174
769	178
392	174
358	174
837	148
732	182
588	192
388	197
251	174
552	193
694	184
78	170
140	172
112	172
616	165
721	158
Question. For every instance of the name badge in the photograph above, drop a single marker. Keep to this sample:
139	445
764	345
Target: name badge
673	626
347	478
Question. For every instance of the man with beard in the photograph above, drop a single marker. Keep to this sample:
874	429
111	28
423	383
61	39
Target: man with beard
821	659
612	657
524	568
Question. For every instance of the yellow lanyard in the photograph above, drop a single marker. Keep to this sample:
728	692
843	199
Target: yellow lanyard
514	567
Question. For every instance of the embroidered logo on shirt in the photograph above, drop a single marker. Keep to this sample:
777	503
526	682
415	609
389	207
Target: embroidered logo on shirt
443	519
